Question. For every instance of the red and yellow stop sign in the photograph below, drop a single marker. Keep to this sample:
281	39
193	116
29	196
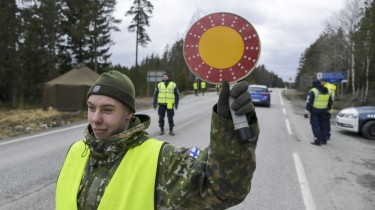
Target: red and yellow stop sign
221	47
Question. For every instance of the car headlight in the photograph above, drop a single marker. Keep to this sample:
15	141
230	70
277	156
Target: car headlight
349	113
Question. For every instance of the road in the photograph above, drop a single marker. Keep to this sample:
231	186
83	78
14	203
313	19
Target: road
291	173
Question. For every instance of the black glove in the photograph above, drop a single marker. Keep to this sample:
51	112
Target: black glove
306	115
242	100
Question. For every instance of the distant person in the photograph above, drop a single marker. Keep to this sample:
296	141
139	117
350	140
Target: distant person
166	97
318	104
331	88
203	87
119	166
332	91
195	86
217	86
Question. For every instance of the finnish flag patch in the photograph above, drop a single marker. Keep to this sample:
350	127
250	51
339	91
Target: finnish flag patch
194	152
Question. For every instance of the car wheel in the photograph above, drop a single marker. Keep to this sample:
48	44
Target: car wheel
368	130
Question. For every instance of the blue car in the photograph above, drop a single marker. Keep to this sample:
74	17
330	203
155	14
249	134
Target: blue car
359	119
260	95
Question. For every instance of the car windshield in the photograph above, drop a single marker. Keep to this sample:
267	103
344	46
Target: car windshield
258	89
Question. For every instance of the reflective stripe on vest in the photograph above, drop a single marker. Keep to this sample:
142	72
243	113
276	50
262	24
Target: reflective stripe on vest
166	94
320	100
131	187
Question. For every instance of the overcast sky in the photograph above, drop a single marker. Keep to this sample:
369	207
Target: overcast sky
285	27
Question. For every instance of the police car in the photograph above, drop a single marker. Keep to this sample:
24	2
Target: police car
358	119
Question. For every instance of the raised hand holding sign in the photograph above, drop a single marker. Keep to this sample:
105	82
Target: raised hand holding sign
223	47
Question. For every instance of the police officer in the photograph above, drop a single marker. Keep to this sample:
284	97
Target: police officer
332	91
318	105
166	96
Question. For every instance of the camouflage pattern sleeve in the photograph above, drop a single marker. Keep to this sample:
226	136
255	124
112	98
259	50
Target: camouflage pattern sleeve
218	178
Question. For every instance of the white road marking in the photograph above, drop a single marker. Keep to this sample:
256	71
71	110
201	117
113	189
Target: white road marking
281	98
42	134
305	189
306	192
284	111
288	127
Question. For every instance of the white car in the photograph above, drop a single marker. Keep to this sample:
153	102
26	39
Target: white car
359	119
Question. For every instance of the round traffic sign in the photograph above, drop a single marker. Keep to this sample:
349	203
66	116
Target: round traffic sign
221	47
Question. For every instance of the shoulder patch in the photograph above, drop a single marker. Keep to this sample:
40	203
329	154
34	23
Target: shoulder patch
194	152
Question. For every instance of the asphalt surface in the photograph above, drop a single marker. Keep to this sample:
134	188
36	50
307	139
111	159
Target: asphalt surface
291	173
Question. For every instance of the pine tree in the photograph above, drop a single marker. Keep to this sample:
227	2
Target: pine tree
141	11
87	26
38	50
102	23
9	45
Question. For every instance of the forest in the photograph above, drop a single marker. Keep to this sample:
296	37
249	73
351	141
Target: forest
346	45
43	39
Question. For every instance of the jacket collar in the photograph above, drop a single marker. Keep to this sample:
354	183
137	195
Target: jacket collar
129	138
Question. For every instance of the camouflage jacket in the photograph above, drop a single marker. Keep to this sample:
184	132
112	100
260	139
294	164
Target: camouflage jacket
217	178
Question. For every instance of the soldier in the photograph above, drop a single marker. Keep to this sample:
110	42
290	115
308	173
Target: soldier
166	96
119	166
203	87
195	86
217	86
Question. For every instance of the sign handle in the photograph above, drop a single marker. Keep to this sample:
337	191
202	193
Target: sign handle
241	126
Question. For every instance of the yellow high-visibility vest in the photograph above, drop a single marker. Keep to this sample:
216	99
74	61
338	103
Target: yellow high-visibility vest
195	86
166	94
203	85
320	100
131	187
331	89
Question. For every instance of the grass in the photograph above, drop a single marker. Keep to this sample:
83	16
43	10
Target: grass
19	122
30	120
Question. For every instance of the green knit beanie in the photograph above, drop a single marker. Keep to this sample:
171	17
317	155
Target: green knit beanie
115	85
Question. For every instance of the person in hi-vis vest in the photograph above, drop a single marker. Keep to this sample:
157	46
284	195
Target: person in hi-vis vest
203	87
166	97
318	105
119	166
217	86
195	86
332	91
